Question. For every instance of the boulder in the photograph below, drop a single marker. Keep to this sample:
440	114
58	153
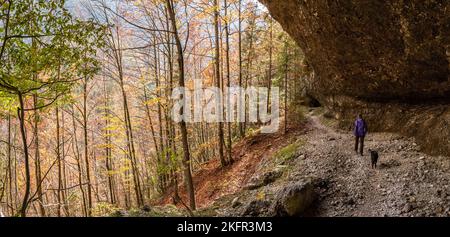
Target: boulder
264	179
294	199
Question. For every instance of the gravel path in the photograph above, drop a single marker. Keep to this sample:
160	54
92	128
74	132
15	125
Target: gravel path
406	182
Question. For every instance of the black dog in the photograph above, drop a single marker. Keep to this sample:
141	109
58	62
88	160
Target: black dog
373	158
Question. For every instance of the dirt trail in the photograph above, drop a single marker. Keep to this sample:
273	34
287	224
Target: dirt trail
352	177
407	182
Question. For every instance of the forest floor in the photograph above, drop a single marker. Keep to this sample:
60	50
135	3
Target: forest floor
407	182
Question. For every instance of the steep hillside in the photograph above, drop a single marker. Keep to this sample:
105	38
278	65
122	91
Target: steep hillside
213	182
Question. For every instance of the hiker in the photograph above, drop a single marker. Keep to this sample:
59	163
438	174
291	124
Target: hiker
360	131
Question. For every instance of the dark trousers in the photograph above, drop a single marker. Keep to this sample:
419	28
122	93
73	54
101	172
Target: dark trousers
360	141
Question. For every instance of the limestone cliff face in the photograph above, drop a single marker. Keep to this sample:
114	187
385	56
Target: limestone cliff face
389	59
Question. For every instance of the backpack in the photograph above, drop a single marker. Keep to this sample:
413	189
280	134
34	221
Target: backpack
360	128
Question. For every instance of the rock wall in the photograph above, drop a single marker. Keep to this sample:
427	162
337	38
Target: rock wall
387	59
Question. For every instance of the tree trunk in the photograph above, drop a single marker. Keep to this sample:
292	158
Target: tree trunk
286	71
269	73
241	123
63	164
10	176
37	159
77	155
21	115
160	123
108	150
248	76
58	158
227	56
86	149
183	129
219	110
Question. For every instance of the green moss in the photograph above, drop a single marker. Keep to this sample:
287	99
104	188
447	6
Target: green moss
167	211
329	122
220	203
154	211
104	209
289	152
206	212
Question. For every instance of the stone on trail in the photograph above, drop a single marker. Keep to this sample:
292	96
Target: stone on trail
294	199
256	208
235	203
264	179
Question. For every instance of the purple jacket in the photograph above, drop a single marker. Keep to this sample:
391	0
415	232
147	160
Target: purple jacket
360	129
